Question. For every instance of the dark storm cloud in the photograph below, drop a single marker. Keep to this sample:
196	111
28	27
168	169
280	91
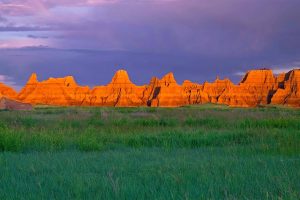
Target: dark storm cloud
197	39
37	37
2	19
22	28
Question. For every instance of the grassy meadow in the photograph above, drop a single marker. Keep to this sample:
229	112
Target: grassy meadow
201	152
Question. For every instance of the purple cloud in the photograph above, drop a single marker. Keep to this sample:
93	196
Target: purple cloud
197	39
37	36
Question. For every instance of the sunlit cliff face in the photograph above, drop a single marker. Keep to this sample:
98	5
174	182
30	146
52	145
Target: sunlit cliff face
258	87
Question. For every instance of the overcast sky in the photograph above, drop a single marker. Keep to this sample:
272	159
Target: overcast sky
195	39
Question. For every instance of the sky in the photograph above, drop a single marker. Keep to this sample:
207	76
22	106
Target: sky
195	39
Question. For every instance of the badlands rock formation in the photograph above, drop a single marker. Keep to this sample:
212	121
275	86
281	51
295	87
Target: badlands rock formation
258	87
166	92
54	91
194	93
206	93
120	92
255	89
216	89
7	102
288	89
6	91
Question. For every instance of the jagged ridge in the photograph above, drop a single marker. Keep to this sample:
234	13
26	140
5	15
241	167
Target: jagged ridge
258	87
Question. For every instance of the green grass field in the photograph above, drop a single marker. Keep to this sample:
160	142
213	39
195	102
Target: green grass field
203	152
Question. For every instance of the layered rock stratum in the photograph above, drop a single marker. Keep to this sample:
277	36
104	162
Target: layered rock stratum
257	88
120	92
55	91
288	89
166	92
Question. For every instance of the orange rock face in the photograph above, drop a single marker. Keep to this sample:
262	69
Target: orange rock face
255	89
206	93
54	91
6	91
194	93
167	93
288	92
120	92
258	87
216	89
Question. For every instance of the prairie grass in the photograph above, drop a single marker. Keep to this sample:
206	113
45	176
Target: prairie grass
94	129
204	152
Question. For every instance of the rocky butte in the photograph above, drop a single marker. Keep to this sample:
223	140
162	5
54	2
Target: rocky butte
255	89
120	92
258	87
6	91
287	91
166	92
54	91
